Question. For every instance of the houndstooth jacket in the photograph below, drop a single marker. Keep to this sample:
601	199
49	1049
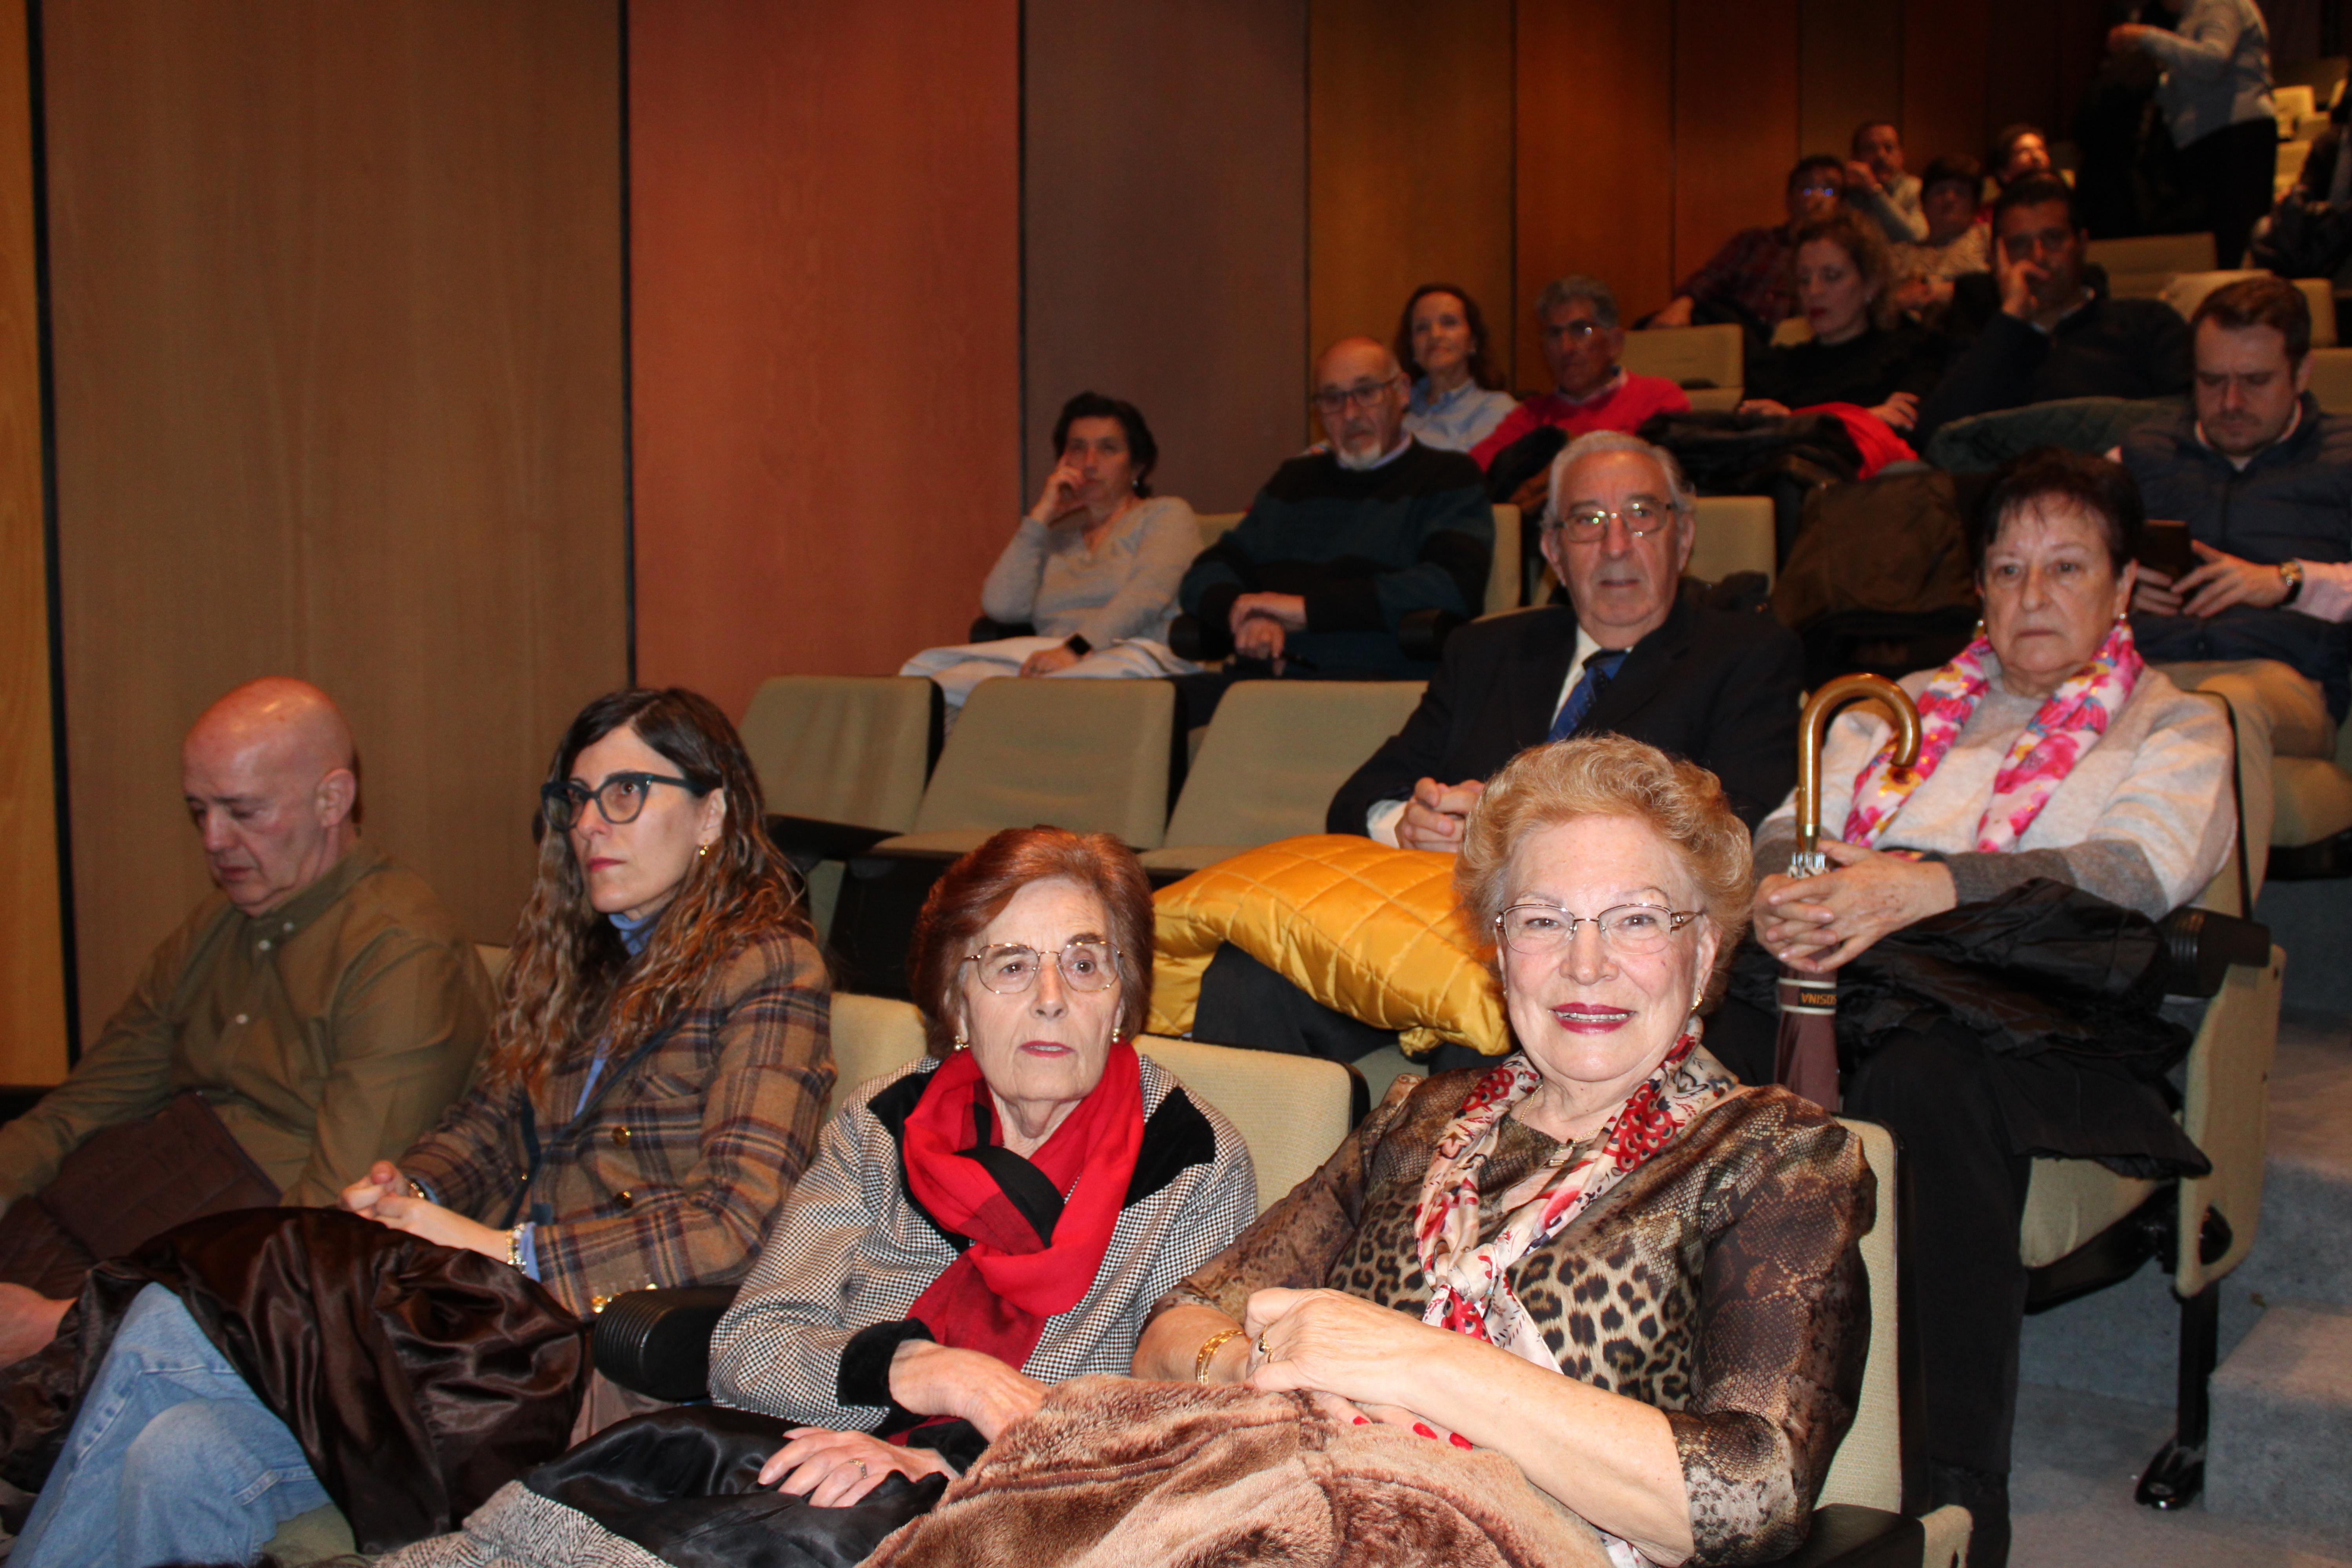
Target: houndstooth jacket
810	1334
670	1172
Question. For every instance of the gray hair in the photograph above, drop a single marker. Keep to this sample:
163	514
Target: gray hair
1593	443
1574	287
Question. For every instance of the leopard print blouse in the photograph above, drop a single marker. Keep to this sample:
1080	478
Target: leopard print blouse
1722	1283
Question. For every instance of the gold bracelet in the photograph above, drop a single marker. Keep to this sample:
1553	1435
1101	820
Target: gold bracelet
1208	1349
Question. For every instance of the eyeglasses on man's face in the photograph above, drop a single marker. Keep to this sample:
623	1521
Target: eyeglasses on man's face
621	798
1584	329
1543	931
1010	968
1363	394
1590	522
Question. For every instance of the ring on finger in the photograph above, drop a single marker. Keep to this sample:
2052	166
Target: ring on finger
861	1466
1264	1354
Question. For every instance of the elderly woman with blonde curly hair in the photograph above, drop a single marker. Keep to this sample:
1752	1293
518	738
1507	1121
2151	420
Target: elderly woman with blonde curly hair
1599	1279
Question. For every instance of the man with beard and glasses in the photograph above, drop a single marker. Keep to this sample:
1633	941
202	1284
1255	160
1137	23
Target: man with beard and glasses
1344	542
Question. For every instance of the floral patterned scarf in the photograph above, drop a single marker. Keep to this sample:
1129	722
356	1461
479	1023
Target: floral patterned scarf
1469	1288
2068	723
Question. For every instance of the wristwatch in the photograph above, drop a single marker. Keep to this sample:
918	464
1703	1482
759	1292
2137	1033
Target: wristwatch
2291	573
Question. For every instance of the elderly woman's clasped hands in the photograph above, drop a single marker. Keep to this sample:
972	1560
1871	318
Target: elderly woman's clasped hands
1821	922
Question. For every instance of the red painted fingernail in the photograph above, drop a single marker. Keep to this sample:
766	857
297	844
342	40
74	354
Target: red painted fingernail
1363	1420
1459	1441
1422	1428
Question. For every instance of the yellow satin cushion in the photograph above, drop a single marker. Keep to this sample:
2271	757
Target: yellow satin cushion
1372	932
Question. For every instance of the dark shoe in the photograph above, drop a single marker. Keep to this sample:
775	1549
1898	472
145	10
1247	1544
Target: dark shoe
1986	1497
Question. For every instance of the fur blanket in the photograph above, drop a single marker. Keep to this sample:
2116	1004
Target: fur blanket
1111	1473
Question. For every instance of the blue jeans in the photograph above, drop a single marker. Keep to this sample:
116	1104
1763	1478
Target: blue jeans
172	1459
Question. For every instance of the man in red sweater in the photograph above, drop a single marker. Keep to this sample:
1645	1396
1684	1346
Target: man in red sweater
1581	340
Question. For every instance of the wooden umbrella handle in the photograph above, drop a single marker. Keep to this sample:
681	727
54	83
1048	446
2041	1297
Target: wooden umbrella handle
1807	860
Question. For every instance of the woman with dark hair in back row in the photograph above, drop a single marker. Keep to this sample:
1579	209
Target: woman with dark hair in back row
1090	577
654	1084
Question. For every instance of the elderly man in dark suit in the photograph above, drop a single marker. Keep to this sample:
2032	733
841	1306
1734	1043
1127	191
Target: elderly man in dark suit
1636	651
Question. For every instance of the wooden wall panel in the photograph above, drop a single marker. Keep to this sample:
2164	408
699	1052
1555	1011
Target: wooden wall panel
2025	86
826	276
1409	139
1596	156
337	313
1944	65
1734	120
1165	213
32	949
1849	70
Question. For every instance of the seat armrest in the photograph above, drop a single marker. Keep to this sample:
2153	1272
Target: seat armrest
1185	639
657	1342
2201	944
1422	634
806	840
985	630
1847	1535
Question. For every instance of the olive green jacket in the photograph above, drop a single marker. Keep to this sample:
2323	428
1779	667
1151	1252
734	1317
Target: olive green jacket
327	1034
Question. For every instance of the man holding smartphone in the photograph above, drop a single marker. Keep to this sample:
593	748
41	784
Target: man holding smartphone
2263	482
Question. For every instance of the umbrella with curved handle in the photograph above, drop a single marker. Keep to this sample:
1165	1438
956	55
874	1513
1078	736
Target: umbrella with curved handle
1807	1053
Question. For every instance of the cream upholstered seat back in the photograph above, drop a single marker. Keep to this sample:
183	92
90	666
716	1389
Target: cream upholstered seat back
1868	1469
1273	757
1292	1111
1732	533
1715	354
842	748
1088	755
871	1036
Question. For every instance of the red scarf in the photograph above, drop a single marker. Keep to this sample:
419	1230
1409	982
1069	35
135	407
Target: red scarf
997	1297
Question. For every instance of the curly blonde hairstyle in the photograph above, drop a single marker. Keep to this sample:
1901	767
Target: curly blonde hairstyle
571	983
1606	775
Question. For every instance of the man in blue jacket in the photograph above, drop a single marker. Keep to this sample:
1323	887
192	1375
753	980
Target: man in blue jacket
2263	479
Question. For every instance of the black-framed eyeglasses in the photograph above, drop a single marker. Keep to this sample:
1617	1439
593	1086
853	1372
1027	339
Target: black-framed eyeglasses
1586	522
1540	930
1363	394
1010	968
621	798
1581	329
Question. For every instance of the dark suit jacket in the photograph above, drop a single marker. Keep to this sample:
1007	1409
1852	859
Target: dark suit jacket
1717	687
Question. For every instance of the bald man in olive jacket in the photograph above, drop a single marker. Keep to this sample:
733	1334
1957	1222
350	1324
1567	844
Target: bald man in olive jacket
322	1005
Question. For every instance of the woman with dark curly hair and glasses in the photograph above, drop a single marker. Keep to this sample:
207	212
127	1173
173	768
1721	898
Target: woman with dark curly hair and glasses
654	1082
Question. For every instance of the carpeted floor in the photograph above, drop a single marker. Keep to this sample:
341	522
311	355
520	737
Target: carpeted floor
2078	1458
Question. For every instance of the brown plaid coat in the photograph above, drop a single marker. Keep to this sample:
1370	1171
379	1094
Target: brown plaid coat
669	1174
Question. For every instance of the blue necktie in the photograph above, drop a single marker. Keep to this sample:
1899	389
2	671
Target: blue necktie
1598	669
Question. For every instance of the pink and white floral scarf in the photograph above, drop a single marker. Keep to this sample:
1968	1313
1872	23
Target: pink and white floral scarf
2068	723
1469	1288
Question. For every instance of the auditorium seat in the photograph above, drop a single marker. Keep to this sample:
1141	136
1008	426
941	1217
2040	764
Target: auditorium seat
1088	755
1733	533
835	752
1273	757
2331	379
2143	268
1215	525
1710	359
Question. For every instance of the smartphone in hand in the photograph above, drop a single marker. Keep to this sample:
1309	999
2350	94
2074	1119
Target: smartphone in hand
2163	547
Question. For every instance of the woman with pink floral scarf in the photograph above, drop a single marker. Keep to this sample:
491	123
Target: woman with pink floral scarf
2053	763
